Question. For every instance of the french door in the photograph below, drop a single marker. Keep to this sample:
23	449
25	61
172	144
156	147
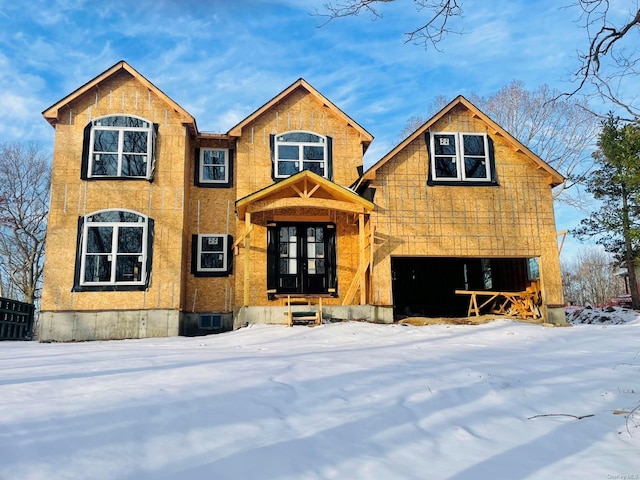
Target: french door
301	258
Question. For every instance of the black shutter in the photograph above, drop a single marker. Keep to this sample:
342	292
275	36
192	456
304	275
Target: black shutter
492	161
272	235
230	177
77	273
229	254
154	147
194	253
427	139
84	166
272	146
330	158
150	236
332	277
196	167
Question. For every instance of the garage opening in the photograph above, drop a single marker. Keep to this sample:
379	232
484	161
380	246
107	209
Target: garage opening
425	286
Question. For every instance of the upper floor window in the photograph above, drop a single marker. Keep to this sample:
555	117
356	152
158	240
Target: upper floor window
213	167
297	151
114	250
119	146
460	157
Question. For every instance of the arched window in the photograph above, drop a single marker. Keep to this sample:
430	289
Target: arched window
119	146
114	250
297	151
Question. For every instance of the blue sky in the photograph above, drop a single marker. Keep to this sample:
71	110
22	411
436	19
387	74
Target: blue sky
221	60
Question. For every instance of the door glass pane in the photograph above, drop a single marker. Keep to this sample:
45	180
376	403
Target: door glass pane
293	266
319	247
320	267
311	267
311	234
311	250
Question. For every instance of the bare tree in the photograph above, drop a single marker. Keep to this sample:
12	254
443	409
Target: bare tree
561	131
610	63
591	277
25	176
430	33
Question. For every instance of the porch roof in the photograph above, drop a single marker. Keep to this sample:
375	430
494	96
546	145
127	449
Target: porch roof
304	189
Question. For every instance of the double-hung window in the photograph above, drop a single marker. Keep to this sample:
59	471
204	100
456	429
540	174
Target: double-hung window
120	146
114	249
211	254
460	157
297	151
214	165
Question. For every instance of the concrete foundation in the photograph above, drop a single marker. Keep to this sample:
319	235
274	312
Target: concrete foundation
277	315
556	315
107	325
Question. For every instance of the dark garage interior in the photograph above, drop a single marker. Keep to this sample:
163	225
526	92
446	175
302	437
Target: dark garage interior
425	286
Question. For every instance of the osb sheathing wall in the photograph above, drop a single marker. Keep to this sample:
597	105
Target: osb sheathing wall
162	200
211	211
298	111
514	219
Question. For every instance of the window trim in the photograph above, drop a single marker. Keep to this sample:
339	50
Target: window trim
459	157
325	145
89	155
84	223
196	256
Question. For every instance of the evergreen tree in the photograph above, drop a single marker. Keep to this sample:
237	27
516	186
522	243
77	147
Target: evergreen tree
615	184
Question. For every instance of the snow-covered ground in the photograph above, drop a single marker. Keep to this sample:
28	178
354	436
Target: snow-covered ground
338	401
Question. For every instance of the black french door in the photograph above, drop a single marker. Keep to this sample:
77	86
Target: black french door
301	258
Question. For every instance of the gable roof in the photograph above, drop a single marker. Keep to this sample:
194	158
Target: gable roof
51	113
555	177
236	131
304	189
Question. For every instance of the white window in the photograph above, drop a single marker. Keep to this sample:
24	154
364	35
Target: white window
114	248
120	146
460	157
297	151
212	253
214	165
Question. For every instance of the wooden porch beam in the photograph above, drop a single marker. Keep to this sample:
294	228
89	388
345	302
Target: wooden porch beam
247	258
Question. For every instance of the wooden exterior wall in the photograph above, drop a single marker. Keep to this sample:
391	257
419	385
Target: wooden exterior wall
210	211
71	197
299	111
513	219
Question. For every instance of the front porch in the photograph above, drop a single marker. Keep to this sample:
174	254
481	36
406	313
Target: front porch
303	236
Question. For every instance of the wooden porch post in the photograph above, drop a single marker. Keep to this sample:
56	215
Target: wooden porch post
247	258
363	272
